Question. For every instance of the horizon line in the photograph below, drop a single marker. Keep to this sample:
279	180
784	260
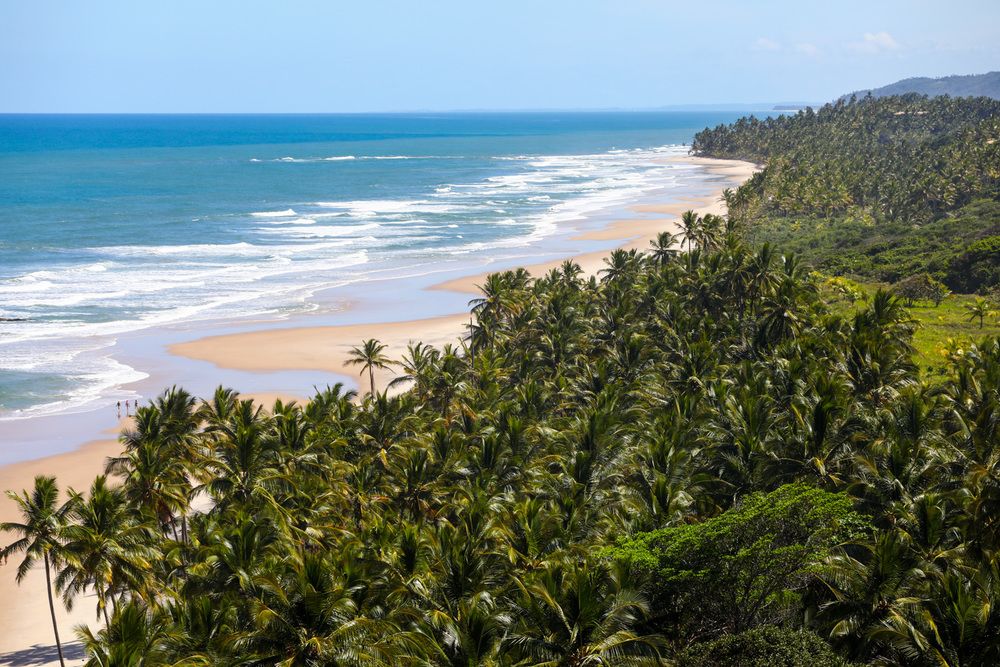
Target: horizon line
710	106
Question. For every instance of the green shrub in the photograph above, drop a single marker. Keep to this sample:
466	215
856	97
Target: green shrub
921	287
768	646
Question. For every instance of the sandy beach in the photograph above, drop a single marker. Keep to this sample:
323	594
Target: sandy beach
25	630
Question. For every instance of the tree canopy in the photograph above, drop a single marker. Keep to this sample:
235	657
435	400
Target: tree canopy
605	470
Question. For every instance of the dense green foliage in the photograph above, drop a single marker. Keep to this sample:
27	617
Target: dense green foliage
899	158
949	248
881	188
740	568
766	646
475	519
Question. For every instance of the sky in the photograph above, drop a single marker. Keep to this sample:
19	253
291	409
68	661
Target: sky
193	56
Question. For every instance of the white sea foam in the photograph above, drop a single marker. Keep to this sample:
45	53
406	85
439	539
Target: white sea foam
274	260
322	231
287	213
369	207
292	221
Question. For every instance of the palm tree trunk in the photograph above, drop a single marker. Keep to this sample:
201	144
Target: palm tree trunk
371	378
52	610
104	609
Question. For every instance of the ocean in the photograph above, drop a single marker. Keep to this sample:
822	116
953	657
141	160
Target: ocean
111	225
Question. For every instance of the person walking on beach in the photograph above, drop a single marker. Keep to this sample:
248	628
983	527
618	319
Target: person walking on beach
119	409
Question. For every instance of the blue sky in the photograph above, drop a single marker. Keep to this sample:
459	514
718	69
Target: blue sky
388	55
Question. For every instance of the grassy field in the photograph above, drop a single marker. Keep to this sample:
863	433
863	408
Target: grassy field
946	326
939	328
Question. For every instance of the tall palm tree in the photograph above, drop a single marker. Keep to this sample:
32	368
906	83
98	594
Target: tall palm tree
870	593
662	247
43	521
418	366
369	356
689	226
153	482
104	548
245	459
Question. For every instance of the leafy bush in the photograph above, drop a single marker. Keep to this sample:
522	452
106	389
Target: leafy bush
921	287
743	566
763	647
849	289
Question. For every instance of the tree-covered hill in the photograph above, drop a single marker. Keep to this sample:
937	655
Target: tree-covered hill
883	188
967	85
689	460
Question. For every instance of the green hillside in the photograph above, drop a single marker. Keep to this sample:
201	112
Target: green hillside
881	188
969	85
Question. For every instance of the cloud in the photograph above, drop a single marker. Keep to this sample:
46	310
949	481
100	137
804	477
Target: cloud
807	48
875	42
765	44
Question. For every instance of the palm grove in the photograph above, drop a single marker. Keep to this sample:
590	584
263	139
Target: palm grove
886	189
690	459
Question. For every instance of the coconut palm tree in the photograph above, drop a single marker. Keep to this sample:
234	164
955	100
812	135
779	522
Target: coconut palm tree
244	467
105	548
136	636
579	615
872	592
40	531
153	481
369	356
689	227
979	309
662	247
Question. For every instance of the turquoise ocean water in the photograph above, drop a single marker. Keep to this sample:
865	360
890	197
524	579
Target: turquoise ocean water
111	225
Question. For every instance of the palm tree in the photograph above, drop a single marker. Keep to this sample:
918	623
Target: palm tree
579	615
104	547
136	636
870	593
979	309
44	520
418	366
663	247
369	356
153	481
689	226
244	465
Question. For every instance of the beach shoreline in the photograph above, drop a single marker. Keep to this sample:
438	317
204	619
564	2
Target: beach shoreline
327	348
313	348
